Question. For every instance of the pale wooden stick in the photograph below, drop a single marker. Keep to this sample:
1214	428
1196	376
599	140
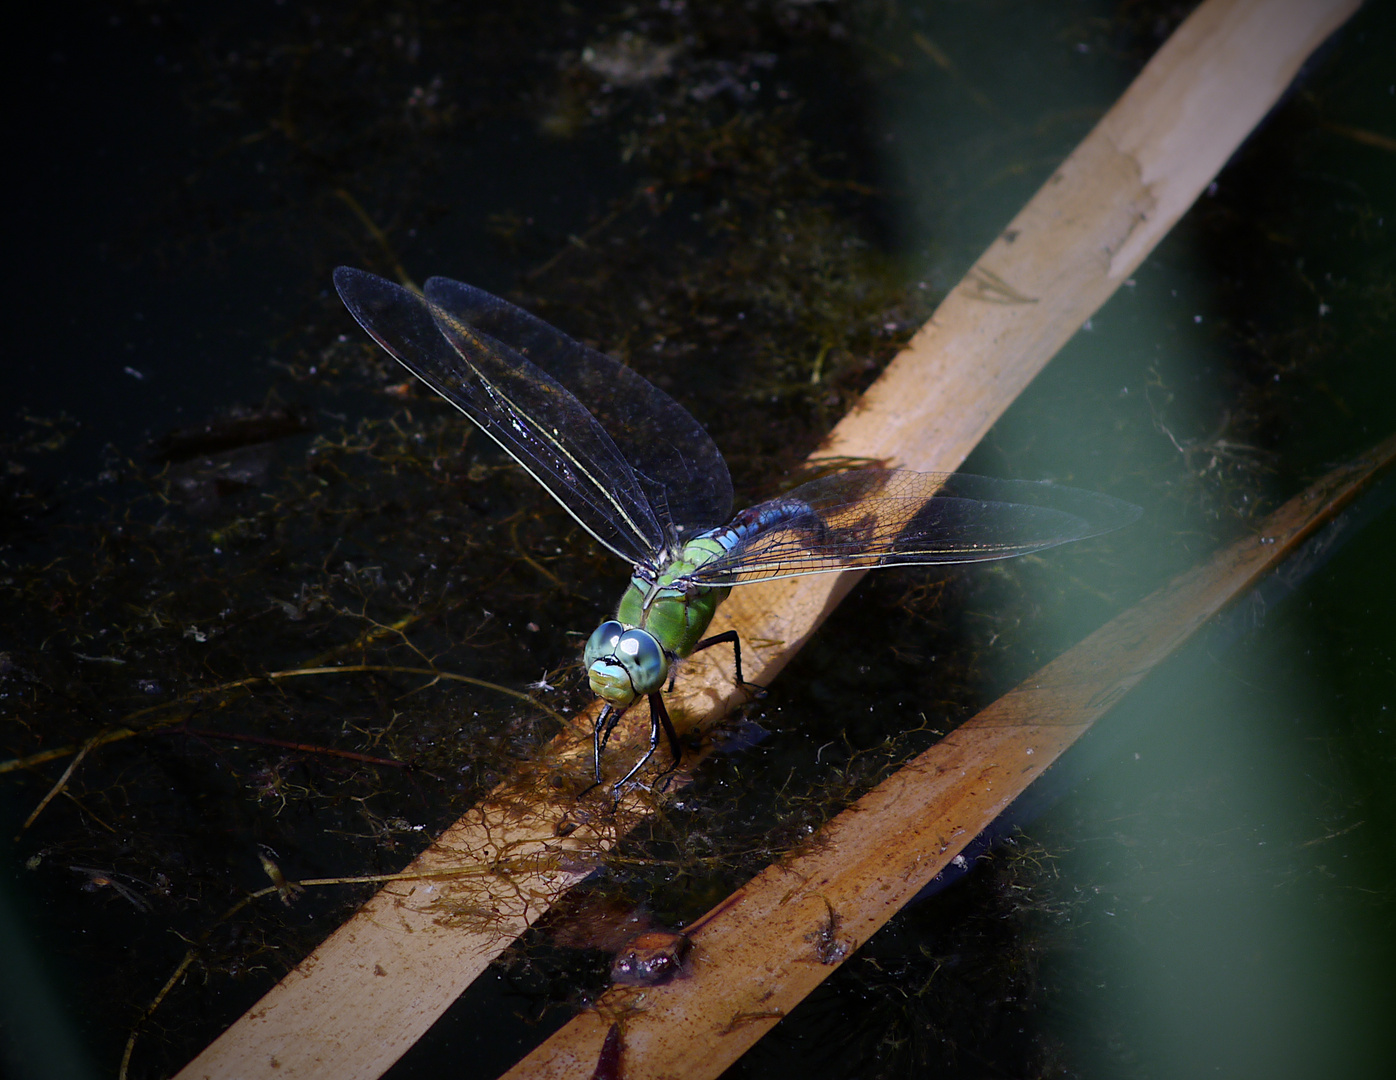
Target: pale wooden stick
1057	262
766	947
365	995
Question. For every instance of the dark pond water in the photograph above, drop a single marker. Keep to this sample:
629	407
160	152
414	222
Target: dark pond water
754	204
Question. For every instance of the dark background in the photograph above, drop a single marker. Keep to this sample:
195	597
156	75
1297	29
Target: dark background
1213	890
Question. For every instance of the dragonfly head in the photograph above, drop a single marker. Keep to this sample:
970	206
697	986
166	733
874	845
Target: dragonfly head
623	665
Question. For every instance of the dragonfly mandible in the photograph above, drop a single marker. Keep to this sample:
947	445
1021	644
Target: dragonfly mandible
640	474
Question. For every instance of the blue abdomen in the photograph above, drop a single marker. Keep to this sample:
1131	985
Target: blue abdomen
755	520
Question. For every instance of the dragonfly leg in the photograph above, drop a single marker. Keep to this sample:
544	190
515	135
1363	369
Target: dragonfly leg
606	721
722	639
657	709
659	721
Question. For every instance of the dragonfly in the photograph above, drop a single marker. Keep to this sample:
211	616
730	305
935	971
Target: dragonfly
639	473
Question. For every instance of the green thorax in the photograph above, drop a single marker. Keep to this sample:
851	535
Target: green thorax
676	615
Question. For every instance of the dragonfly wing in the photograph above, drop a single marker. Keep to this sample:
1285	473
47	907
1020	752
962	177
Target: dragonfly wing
528	412
887	517
675	459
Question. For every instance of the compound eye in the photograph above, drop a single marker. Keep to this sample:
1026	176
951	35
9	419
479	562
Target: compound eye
643	659
602	643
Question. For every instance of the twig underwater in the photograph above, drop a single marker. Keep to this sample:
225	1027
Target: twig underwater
756	946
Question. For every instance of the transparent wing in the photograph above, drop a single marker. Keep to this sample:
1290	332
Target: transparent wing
676	461
529	413
887	517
